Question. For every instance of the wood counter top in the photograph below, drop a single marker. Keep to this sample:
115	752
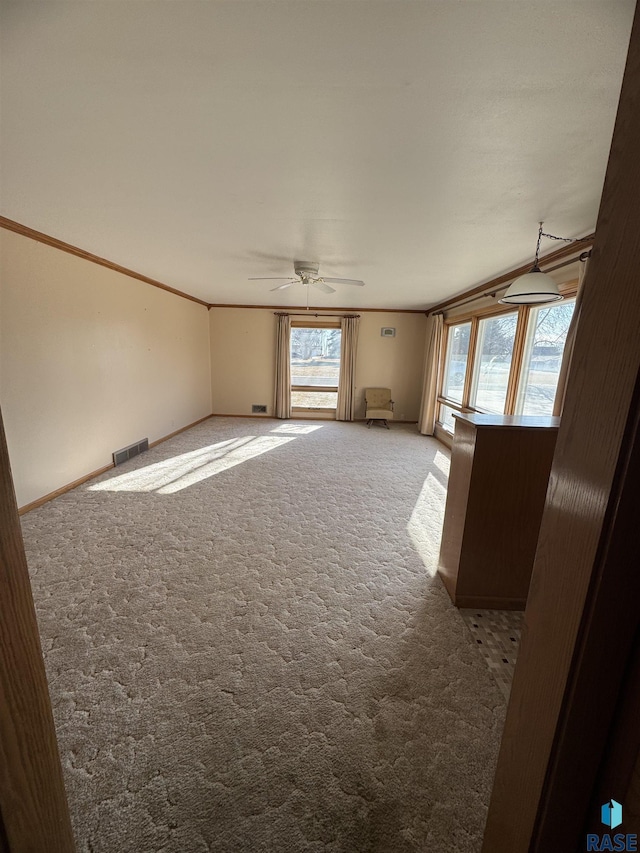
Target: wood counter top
521	421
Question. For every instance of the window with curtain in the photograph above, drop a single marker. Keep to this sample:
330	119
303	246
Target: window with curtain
315	366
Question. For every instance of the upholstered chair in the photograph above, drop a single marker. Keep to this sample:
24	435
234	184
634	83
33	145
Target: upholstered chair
379	405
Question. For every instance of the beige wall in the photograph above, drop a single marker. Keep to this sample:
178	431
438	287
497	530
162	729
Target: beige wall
243	346
90	361
395	363
243	359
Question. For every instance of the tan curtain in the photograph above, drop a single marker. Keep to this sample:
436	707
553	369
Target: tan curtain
567	354
283	367
433	351
347	383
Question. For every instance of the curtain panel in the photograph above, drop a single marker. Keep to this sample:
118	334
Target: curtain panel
282	407
431	381
567	354
347	383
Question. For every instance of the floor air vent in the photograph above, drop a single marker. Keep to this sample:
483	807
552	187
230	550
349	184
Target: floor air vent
121	456
258	409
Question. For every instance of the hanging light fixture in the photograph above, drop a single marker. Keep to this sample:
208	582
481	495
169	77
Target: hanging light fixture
535	287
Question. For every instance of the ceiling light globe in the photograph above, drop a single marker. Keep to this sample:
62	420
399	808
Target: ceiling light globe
532	288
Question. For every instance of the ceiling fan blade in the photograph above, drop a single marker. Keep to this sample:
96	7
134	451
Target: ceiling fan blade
282	286
323	287
344	281
278	278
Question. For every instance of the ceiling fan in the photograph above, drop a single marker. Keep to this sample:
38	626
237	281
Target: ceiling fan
307	273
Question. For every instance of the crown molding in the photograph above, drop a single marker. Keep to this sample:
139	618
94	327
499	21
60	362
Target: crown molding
32	234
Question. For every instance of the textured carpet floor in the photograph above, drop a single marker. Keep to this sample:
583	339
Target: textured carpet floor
248	651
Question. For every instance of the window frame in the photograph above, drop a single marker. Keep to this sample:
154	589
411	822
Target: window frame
568	290
315	324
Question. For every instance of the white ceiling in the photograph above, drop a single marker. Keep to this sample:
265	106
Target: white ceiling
414	145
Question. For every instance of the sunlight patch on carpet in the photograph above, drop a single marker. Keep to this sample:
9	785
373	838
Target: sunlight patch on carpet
442	462
179	472
425	525
298	429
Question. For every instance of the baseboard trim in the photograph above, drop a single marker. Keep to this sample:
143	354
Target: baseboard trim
391	423
23	510
300	416
259	417
63	489
178	431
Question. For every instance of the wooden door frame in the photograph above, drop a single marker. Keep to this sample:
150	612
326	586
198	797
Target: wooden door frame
34	815
581	623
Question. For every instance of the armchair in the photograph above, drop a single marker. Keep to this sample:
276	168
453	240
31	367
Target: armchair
379	406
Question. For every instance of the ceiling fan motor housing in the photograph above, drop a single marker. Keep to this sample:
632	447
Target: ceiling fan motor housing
305	270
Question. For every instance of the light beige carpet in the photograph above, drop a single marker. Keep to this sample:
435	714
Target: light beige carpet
248	651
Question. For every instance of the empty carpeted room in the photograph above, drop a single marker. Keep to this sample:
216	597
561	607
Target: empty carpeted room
318	377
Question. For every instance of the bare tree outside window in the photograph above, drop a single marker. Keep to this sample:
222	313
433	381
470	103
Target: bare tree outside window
494	351
544	346
315	363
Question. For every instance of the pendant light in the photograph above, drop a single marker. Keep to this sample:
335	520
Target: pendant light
534	287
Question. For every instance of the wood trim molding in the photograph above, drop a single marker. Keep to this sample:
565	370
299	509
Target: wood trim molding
568	290
316	323
516	361
259	417
506	278
38	236
391	422
33	803
300	414
63	490
471	363
178	431
289	308
69	486
54	242
487	311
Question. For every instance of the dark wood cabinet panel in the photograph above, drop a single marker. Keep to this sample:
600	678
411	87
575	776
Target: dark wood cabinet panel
497	486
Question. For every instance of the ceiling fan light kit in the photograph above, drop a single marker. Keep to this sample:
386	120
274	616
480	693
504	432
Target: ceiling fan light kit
304	269
308	274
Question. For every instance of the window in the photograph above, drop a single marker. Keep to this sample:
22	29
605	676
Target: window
315	366
455	369
446	418
504	361
492	363
546	336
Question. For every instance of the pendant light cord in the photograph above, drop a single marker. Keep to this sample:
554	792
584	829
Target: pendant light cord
535	262
542	234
